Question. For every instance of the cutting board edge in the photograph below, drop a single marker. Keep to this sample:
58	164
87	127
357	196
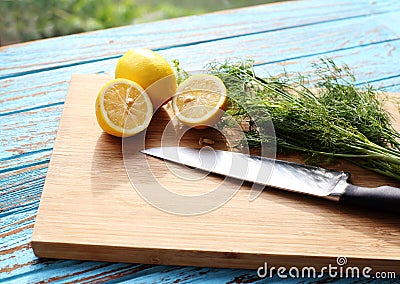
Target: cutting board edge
201	258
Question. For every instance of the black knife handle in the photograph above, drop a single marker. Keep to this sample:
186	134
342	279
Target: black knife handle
386	198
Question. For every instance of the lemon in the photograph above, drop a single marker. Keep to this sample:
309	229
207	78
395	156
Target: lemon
151	71
123	108
200	100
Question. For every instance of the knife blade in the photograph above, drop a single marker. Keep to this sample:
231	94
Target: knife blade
281	174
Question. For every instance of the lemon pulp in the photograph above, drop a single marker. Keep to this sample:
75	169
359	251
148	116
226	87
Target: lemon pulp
123	108
200	100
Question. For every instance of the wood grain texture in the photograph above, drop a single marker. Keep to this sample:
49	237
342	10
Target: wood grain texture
34	78
89	209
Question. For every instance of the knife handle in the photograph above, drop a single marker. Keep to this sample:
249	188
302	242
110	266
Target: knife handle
385	198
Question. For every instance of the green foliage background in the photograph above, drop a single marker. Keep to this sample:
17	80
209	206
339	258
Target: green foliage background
24	20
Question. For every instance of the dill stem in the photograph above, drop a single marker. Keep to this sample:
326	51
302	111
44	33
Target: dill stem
331	118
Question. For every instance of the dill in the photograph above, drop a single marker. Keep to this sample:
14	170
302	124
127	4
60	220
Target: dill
330	118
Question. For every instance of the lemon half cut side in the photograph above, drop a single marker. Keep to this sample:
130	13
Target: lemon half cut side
200	101
123	108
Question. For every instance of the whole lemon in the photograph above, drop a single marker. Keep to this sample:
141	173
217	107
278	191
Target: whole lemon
151	71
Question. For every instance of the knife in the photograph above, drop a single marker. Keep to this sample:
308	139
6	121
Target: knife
285	175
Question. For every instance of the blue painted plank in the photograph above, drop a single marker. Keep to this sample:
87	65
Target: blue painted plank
30	131
371	61
36	92
392	88
21	188
20	161
277	47
370	64
82	49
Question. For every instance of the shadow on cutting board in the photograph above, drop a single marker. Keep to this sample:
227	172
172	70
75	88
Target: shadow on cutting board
382	226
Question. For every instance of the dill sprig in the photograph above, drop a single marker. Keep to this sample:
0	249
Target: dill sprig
330	118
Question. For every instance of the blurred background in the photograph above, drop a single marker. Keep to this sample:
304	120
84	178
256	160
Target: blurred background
25	20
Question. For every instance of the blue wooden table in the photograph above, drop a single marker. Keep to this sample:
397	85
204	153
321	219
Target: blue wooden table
34	78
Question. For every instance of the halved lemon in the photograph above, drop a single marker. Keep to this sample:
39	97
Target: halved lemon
123	108
200	101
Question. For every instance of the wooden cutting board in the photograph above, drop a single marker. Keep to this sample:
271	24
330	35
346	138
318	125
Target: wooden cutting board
90	210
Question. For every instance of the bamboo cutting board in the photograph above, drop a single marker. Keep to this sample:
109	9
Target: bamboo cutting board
89	209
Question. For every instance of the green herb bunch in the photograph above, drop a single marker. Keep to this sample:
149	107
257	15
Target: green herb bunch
330	118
